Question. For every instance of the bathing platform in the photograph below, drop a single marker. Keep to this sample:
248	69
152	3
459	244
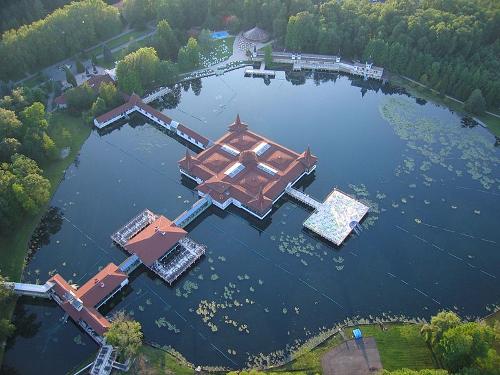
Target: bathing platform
335	218
185	254
160	244
134	226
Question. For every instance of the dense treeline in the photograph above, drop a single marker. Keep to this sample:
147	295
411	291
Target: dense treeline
24	143
452	46
15	13
63	33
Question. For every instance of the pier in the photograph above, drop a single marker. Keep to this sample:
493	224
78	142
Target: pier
103	364
137	105
261	72
324	63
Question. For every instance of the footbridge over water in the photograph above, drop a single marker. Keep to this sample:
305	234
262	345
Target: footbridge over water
303	198
33	290
196	210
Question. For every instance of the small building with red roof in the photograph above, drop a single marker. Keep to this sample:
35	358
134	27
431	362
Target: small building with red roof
246	169
155	240
81	303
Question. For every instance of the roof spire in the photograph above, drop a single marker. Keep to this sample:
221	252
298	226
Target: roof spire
188	159
237	125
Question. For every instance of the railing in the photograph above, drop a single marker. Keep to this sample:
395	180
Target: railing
304	198
190	251
133	227
197	209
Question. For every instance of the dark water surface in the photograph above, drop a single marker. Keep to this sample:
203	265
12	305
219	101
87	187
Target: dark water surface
431	241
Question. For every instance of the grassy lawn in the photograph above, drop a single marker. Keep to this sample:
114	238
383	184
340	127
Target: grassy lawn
66	131
401	346
153	361
310	362
125	38
492	122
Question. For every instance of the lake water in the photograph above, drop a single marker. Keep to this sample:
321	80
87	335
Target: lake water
431	241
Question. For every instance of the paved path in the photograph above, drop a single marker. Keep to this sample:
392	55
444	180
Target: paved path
353	357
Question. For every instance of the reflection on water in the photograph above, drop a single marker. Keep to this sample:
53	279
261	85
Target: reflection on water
264	287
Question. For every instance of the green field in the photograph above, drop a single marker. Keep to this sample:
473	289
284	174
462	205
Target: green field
156	361
401	346
66	131
125	38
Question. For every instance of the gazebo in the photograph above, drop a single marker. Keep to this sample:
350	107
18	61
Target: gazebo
256	35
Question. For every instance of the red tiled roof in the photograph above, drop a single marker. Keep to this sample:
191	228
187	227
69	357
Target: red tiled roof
132	101
60	100
155	240
96	81
204	141
101	285
90	294
252	186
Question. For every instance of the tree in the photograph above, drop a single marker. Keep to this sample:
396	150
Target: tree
301	32
465	345
110	95
125	335
167	73
10	126
9	147
205	40
137	12
189	55
475	103
138	71
80	68
268	55
16	101
31	189
6	327
166	43
70	78
99	107
80	98
60	35
107	54
440	323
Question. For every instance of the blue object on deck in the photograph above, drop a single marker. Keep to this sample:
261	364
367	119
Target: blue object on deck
357	333
219	35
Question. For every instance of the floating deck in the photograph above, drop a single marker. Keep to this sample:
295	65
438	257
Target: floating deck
189	252
336	217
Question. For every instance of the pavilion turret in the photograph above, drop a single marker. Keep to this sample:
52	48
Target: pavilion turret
308	159
237	126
